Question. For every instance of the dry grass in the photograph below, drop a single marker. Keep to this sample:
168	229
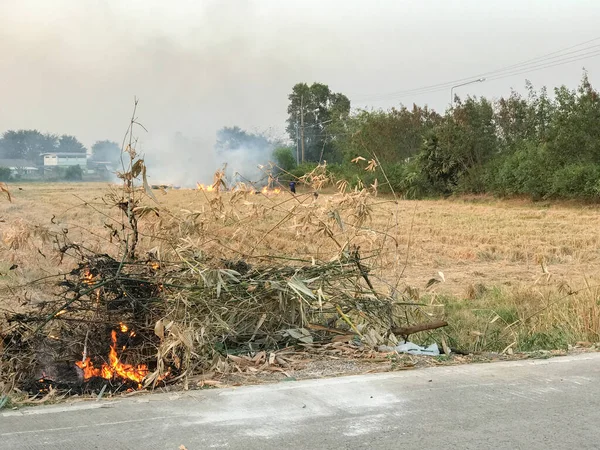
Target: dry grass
510	268
488	242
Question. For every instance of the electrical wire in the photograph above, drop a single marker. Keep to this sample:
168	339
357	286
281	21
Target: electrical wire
552	59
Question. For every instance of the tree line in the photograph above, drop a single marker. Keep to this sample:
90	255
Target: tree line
28	145
534	145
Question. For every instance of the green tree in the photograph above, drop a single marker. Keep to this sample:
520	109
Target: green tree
324	113
284	158
574	131
393	135
457	150
70	144
26	144
514	119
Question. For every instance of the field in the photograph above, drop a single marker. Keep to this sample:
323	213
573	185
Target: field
516	274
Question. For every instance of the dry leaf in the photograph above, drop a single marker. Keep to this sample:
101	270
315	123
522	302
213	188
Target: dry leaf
345	338
4	188
159	329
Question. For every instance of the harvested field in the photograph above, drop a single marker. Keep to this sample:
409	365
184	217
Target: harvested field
479	240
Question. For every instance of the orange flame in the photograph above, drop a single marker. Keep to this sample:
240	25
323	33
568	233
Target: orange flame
88	278
202	187
114	368
267	191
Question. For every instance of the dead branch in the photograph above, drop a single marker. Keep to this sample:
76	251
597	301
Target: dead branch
407	331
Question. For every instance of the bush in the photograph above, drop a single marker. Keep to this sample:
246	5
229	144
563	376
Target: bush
5	174
352	173
303	169
408	180
576	181
73	173
524	172
473	181
284	158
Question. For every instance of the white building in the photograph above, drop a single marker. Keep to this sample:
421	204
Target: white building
65	159
19	167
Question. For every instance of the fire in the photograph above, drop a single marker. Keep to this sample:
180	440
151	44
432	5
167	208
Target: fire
267	191
88	277
202	187
114	368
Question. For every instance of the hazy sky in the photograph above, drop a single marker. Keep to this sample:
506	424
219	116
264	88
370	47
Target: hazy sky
73	66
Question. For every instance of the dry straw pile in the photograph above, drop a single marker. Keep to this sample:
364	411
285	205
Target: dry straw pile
186	291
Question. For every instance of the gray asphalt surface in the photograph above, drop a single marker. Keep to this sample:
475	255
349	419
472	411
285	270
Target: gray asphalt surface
535	404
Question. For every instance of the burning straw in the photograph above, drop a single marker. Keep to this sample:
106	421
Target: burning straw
188	288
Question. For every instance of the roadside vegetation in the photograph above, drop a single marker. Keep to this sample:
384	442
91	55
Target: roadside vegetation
541	145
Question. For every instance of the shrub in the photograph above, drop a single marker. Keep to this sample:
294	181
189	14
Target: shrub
73	173
303	169
5	174
577	181
524	172
284	158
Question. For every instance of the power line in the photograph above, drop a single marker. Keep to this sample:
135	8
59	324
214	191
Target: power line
490	76
530	64
499	76
491	72
545	66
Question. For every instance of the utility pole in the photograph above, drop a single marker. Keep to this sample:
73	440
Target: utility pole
297	144
302	124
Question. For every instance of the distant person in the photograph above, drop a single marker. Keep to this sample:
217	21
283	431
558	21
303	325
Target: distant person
293	187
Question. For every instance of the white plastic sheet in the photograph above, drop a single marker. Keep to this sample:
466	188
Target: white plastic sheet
412	349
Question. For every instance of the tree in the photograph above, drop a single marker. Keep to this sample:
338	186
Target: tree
70	144
26	144
284	158
393	135
574	131
514	118
234	138
323	114
106	151
73	173
457	150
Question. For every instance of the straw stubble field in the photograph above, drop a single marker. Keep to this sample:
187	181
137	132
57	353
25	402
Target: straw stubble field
508	274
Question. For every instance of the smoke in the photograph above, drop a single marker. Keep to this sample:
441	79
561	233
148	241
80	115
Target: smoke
184	161
246	165
73	67
178	159
193	69
246	155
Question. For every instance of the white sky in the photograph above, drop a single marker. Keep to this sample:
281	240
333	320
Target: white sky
73	66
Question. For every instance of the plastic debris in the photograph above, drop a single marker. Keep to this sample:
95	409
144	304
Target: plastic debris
411	348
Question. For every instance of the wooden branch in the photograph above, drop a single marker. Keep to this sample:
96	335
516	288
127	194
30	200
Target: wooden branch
407	331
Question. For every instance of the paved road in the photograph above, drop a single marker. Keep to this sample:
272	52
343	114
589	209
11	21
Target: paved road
542	404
